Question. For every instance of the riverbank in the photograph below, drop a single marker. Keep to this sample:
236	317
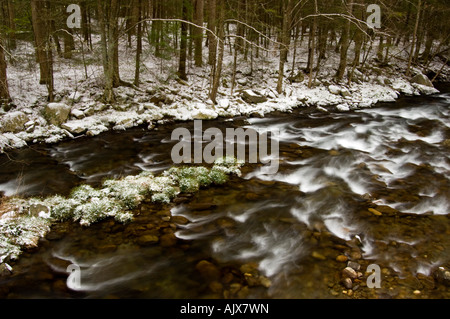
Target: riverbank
78	108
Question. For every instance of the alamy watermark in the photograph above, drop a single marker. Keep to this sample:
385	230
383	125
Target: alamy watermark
220	145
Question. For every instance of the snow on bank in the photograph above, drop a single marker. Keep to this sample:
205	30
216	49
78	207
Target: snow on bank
78	87
24	221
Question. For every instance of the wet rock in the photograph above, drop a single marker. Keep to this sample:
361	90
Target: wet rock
215	287
355	255
56	113
354	265
318	255
108	248
180	220
341	258
442	275
5	270
264	281
374	211
168	240
13	122
208	270
347	282
349	272
147	240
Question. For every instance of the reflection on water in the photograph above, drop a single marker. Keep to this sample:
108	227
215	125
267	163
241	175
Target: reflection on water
393	159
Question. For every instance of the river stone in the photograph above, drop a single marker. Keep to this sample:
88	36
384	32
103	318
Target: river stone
5	270
251	96
422	79
147	240
341	258
168	240
208	270
349	272
13	122
347	283
354	265
56	113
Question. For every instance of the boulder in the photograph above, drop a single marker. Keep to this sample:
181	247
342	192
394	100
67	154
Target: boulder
56	113
74	127
13	122
334	89
251	96
422	79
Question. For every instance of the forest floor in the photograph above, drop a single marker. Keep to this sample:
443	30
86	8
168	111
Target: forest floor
162	97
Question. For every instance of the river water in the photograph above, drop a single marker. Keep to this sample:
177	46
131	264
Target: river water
288	227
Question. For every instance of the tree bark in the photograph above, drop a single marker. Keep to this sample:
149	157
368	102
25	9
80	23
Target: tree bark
345	43
218	67
183	44
212	43
285	38
4	91
198	33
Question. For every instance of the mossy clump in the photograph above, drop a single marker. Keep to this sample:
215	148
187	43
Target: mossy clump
24	221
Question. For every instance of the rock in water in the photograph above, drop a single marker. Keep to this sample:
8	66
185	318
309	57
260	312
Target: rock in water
422	79
56	113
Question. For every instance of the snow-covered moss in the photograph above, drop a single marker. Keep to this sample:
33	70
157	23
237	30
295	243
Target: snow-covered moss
24	221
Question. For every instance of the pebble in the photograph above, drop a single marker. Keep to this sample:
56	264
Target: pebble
375	212
354	265
416	292
341	258
347	283
147	240
349	272
318	256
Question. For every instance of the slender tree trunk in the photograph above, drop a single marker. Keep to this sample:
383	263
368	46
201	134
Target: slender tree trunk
4	91
108	94
198	33
313	46
212	44
140	27
218	68
183	44
344	46
285	38
408	68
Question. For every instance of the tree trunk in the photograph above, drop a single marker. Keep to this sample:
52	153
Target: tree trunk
198	33
183	44
345	43
212	43
218	67
4	91
140	27
41	37
285	38
408	69
108	71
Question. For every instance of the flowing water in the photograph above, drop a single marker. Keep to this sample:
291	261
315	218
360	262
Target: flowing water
288	227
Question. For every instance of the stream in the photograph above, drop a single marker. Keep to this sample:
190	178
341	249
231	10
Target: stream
372	185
